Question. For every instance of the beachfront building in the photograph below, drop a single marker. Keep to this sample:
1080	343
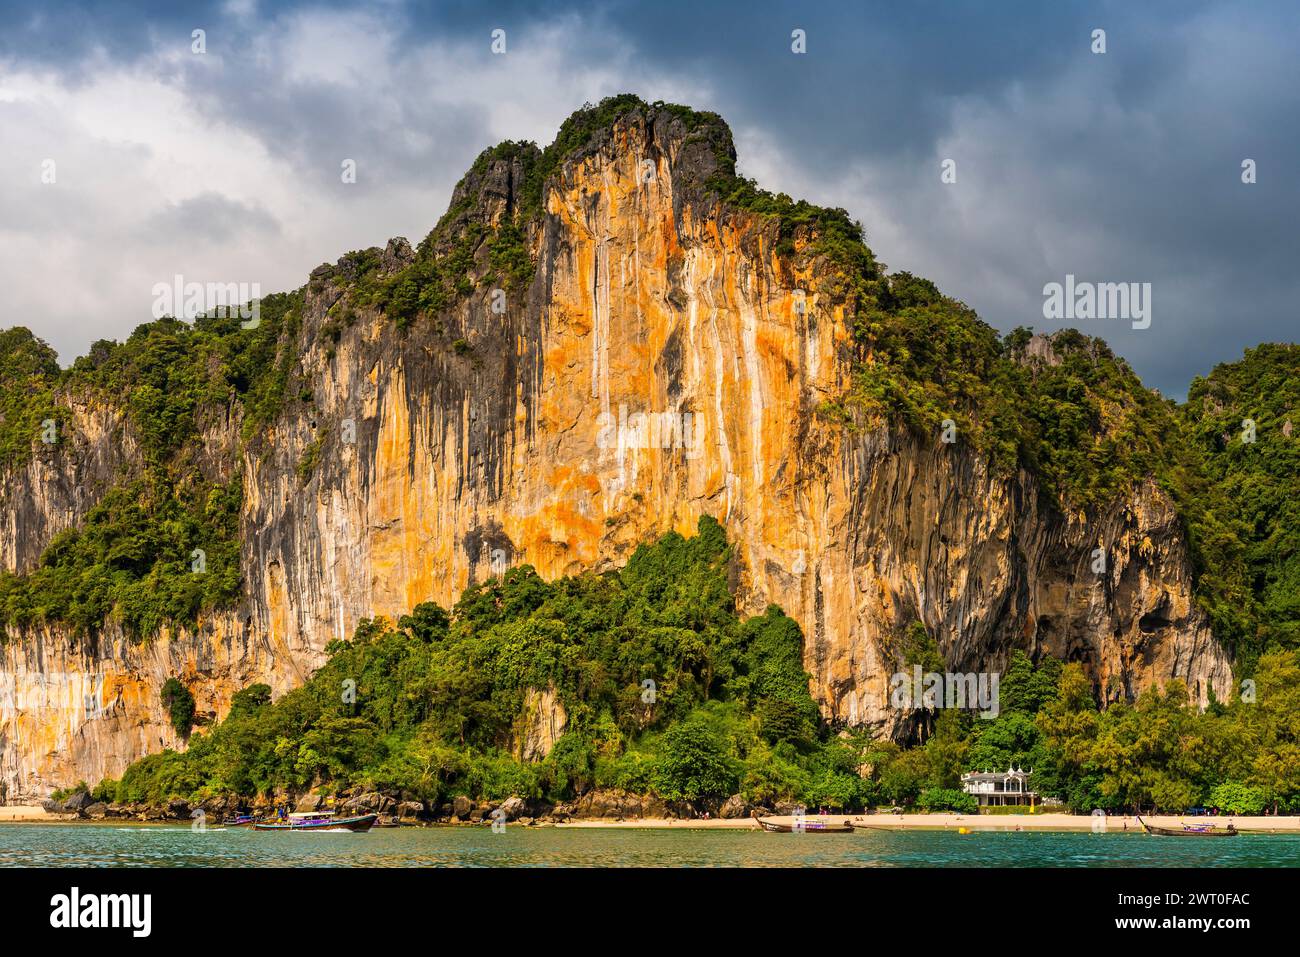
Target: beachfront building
1000	788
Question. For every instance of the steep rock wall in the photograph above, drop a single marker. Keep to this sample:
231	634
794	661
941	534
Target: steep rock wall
63	479
433	467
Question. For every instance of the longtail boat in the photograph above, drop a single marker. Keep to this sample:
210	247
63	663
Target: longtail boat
238	820
811	825
321	821
1189	830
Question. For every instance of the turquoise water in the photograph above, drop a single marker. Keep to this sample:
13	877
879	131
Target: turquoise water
122	845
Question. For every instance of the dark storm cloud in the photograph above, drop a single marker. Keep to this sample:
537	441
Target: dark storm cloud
1116	167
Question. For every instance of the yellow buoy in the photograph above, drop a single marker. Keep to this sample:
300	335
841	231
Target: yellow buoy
963	830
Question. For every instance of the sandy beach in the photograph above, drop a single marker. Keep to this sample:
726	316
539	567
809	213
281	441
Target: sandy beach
31	812
972	822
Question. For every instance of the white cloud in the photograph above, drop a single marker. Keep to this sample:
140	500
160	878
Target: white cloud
1107	167
349	49
225	167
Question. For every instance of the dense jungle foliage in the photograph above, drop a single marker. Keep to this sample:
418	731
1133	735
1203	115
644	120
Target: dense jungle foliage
436	706
1239	422
161	545
665	689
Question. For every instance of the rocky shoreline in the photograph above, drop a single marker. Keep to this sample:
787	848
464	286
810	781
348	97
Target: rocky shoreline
616	810
602	807
600	804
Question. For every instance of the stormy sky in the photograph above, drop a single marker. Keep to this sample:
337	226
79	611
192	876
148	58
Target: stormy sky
224	166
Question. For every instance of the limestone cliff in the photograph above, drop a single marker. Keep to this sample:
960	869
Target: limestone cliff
668	358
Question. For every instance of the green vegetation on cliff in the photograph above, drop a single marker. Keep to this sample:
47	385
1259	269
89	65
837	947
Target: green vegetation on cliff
29	370
668	692
1251	485
148	554
665	689
162	544
179	702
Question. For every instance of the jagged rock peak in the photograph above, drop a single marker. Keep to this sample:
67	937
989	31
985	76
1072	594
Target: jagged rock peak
512	177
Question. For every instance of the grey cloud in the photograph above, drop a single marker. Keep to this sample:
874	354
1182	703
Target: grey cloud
210	218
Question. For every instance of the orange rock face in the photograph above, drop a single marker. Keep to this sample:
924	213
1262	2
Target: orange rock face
666	362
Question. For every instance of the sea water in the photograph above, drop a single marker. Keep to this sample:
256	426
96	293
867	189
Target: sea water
139	845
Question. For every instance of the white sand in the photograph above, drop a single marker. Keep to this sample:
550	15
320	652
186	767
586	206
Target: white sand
31	812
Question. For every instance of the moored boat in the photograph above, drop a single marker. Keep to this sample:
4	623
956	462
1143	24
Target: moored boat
322	821
1189	830
239	820
811	825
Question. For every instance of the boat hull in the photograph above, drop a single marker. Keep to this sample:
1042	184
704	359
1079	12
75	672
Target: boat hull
355	824
1170	832
809	827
